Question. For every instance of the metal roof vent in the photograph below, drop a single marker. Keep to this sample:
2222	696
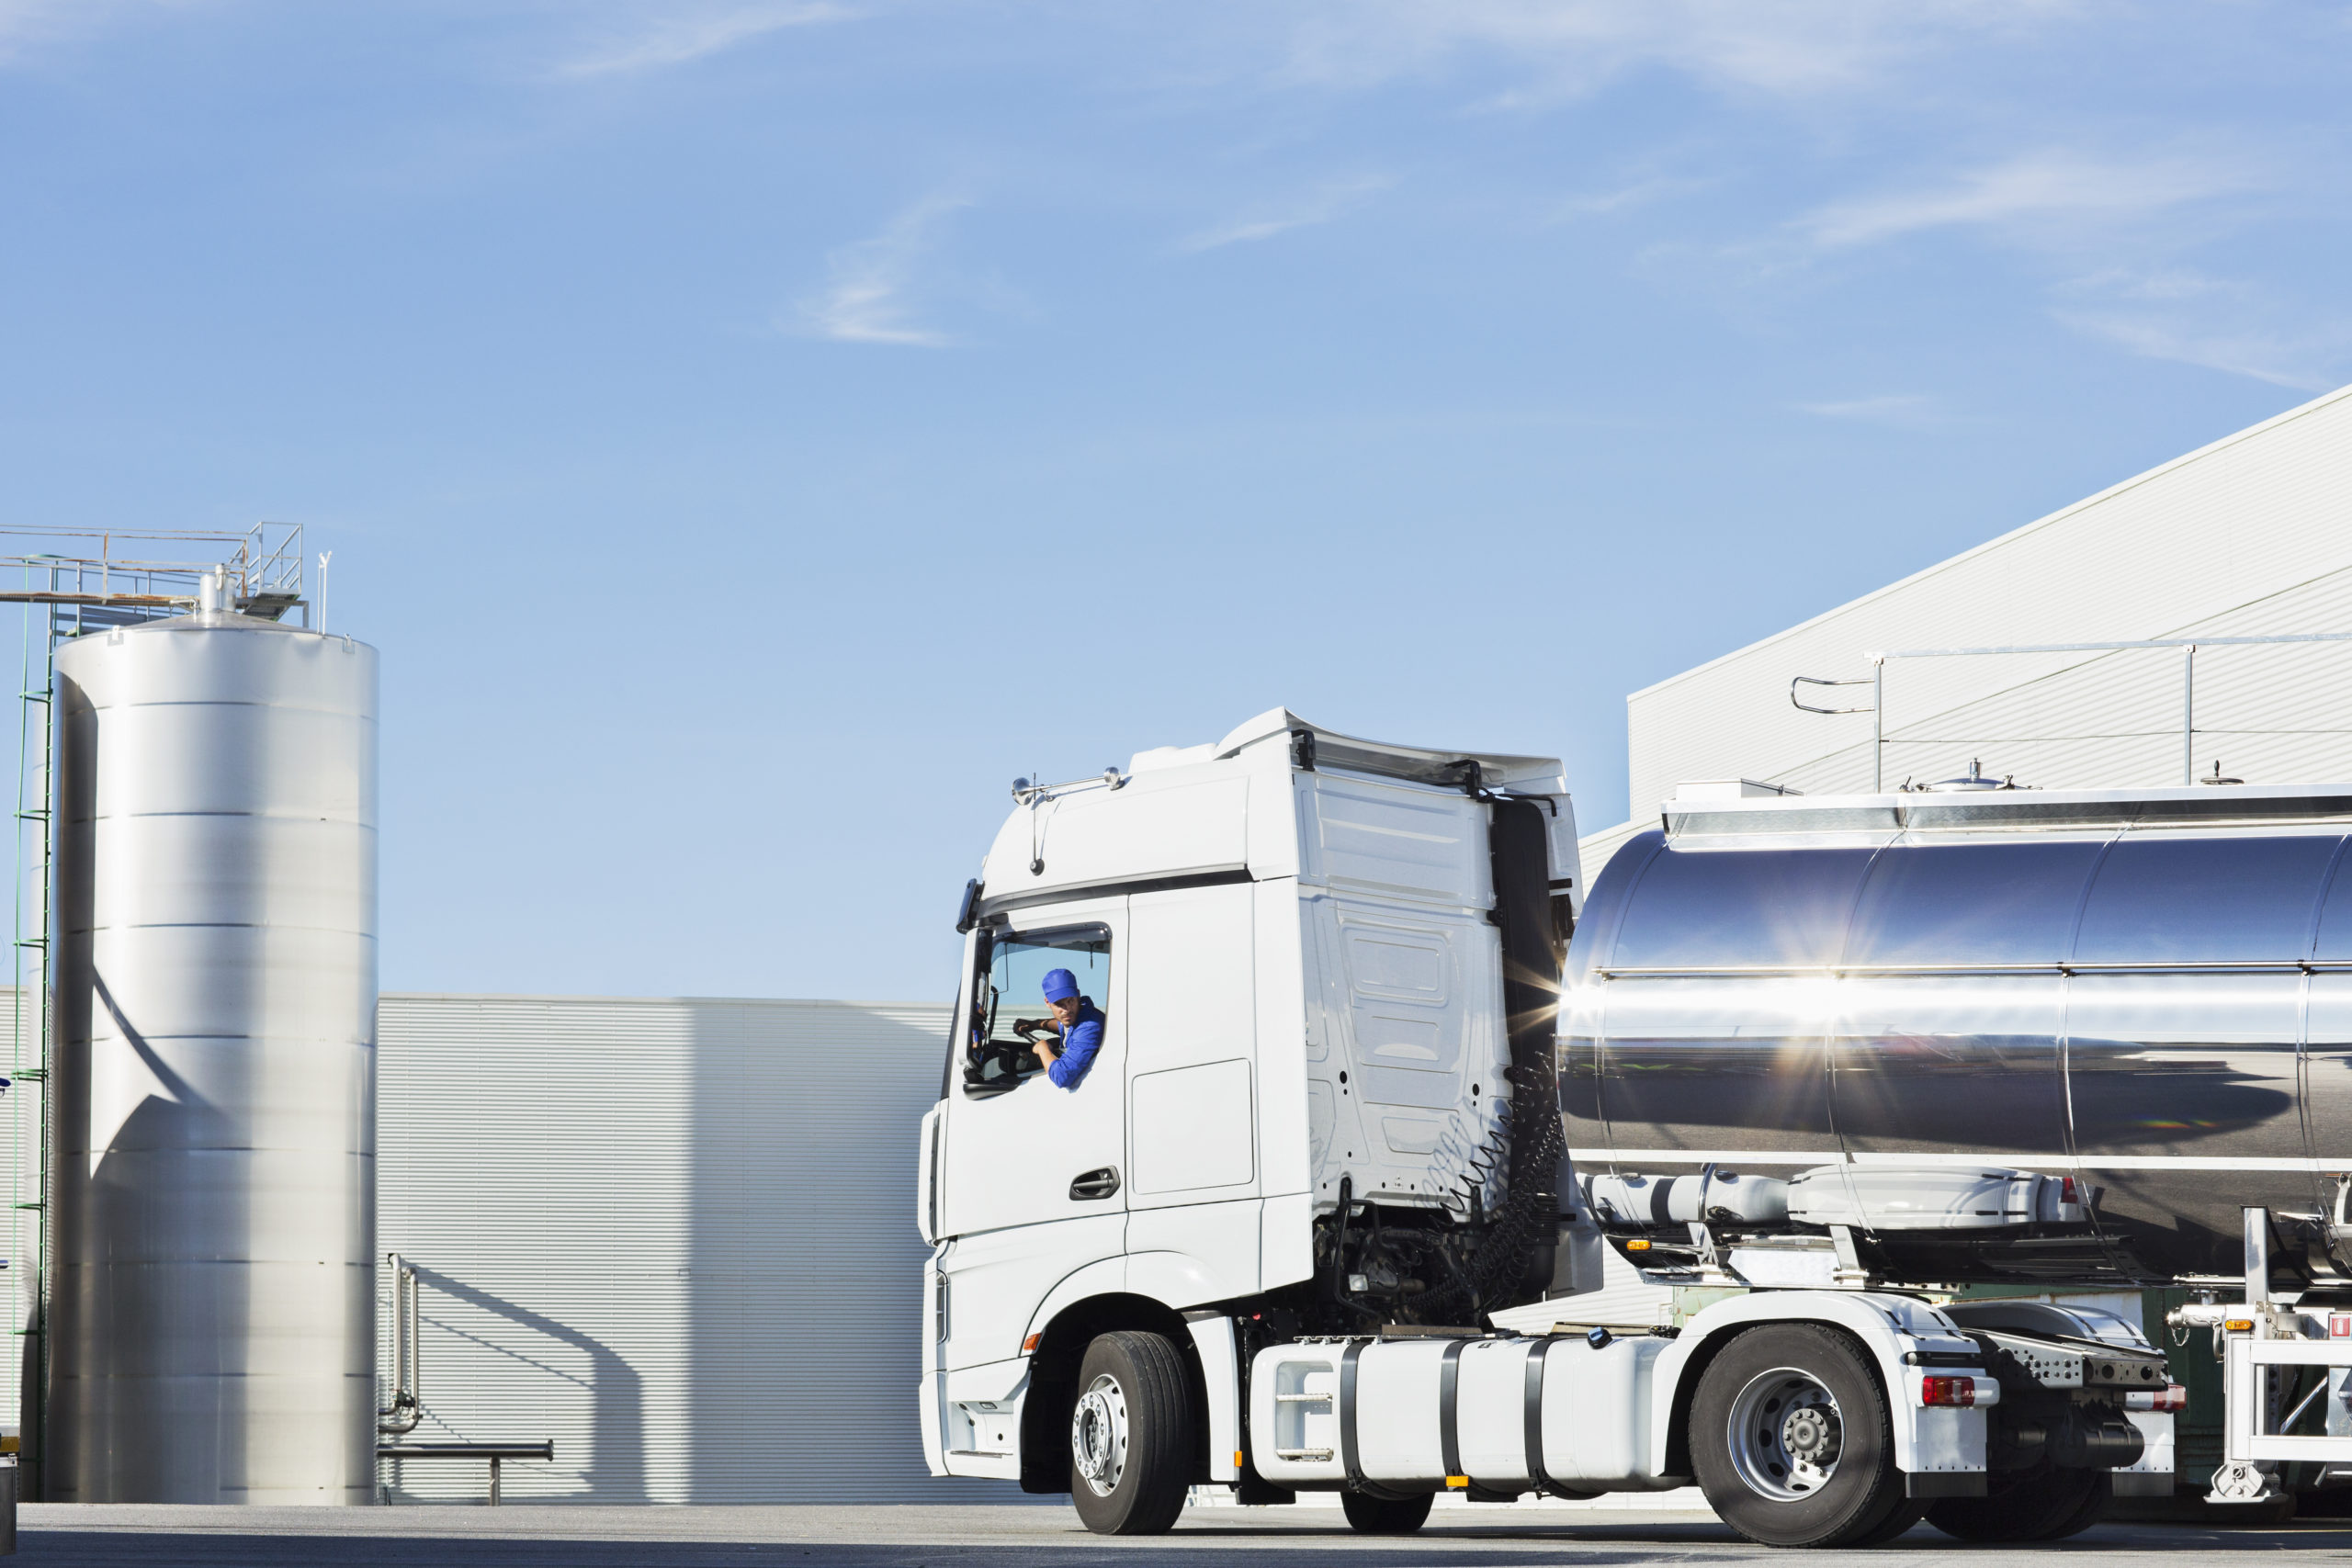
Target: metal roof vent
1971	782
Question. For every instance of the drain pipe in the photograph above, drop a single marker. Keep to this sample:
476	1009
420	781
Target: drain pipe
408	1364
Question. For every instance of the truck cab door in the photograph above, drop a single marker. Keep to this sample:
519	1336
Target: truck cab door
1019	1149
1032	1181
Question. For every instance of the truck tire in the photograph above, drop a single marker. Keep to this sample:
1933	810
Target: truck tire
1792	1440
2028	1504
1368	1514
1893	1525
1131	1434
2093	1507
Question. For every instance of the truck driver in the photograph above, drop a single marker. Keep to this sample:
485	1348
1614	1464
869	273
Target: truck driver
1075	1029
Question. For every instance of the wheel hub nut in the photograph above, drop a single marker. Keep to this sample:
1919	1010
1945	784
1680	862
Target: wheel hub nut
1092	1434
1808	1435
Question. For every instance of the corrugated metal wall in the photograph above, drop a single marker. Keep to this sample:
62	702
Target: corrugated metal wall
676	1236
2252	535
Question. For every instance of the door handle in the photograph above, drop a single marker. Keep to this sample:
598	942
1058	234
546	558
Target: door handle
1095	1184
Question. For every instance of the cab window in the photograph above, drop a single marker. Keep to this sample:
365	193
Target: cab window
1010	990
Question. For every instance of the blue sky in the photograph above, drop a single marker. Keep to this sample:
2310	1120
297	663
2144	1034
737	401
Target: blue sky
753	431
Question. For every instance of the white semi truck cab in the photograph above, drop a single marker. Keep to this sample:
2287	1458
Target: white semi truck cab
1307	1219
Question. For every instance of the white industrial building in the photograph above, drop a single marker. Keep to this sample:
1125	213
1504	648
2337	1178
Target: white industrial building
2251	535
676	1236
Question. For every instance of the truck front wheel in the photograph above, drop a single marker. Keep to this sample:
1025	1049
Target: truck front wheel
1131	1434
1792	1440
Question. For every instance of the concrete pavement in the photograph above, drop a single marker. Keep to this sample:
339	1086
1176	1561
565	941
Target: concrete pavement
1005	1537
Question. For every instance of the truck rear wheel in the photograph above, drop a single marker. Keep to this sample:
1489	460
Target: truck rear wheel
1130	1435
1792	1440
1368	1514
2033	1505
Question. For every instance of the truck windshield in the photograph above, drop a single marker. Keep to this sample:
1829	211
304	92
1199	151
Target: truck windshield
1011	991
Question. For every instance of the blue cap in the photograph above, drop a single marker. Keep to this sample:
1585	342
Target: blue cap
1060	984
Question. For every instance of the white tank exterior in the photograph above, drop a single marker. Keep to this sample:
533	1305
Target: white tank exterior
212	1291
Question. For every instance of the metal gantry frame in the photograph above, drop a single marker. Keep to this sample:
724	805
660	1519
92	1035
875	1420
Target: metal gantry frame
72	596
1876	681
2256	1338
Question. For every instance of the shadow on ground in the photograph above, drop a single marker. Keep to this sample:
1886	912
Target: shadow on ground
1202	1543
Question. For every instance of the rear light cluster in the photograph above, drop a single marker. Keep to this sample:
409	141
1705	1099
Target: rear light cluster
2172	1397
1959	1392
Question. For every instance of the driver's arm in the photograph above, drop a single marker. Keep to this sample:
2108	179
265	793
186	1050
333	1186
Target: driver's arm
1042	1035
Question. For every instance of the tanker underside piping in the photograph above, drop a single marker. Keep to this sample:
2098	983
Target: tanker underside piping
1638	1157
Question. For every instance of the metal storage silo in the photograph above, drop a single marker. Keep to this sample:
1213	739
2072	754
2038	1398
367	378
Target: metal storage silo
213	1195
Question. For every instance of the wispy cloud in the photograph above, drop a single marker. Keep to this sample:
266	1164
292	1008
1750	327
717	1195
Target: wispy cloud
1782	46
1640	193
1320	207
867	296
2045	194
676	35
26	24
2193	319
1908	412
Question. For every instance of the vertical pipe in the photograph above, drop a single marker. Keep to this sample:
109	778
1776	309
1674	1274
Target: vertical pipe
2188	714
415	1384
1877	726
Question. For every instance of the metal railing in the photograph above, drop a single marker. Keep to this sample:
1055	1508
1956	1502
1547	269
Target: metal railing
1876	681
494	1452
102	579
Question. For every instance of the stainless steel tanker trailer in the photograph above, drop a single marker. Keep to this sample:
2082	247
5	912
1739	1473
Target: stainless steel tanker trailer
1375	1081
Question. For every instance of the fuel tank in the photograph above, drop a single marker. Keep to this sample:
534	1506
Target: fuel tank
1568	1416
2149	992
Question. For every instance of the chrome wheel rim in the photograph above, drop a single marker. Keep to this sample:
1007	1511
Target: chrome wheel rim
1786	1434
1098	1435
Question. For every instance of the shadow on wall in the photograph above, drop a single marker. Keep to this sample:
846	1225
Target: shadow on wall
612	1470
137	1200
806	1272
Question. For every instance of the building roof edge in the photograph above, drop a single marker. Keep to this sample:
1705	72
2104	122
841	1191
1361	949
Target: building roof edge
2050	520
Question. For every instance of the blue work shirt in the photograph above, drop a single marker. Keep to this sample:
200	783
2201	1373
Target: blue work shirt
1079	1041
